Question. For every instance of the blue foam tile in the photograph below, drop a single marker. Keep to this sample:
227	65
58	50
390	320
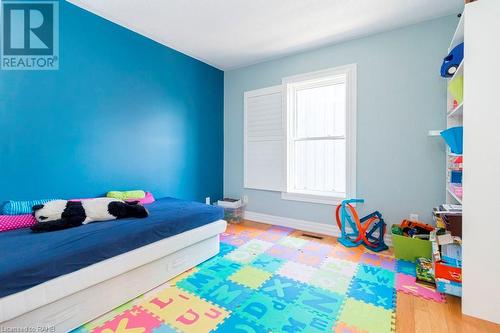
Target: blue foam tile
283	288
228	294
406	267
372	293
238	324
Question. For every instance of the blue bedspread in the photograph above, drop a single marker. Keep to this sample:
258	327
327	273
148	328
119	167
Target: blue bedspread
28	259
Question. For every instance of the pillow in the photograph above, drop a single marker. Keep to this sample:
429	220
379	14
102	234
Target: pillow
146	200
126	195
12	222
21	207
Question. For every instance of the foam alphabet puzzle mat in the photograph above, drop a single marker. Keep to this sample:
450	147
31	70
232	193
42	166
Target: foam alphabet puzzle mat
269	279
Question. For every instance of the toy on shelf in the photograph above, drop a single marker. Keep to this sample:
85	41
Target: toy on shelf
452	61
454	138
369	230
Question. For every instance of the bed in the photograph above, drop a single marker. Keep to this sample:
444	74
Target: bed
66	278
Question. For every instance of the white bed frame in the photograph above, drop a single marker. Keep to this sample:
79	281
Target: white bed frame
71	300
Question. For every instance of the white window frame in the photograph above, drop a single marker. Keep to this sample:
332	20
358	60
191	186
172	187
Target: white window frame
349	72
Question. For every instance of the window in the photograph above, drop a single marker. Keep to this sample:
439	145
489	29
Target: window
320	111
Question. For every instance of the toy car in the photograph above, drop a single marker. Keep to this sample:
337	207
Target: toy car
452	61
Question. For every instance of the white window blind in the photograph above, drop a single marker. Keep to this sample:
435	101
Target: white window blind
264	139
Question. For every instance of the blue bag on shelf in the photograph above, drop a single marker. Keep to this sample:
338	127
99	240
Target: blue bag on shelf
456	177
454	137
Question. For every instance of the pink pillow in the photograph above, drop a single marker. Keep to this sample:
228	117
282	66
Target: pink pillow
146	200
12	222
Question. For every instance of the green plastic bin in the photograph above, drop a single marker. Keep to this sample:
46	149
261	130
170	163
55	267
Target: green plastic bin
410	249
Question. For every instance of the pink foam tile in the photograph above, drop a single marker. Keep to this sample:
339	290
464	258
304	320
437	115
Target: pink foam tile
407	284
133	320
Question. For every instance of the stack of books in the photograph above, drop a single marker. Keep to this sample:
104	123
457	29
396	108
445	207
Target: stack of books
447	260
447	248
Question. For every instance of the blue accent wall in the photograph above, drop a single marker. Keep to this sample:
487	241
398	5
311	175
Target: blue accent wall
400	97
122	112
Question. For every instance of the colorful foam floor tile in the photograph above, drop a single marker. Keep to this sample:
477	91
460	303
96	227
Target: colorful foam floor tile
256	246
249	251
293	242
228	294
388	263
268	263
283	252
274	234
184	311
298	319
273	279
338	266
234	239
297	271
264	310
406	267
321	301
164	328
367	317
283	289
250	277
309	259
135	320
220	268
199	282
376	275
408	284
343	328
347	253
226	248
330	281
238	324
372	293
317	249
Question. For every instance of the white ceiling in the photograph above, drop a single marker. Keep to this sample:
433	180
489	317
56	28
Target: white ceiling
233	33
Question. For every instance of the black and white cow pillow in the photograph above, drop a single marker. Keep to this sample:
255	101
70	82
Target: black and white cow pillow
63	214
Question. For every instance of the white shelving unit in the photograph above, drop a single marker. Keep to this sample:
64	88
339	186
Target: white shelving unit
481	184
454	113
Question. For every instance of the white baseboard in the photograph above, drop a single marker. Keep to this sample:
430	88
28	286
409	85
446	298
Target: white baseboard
316	227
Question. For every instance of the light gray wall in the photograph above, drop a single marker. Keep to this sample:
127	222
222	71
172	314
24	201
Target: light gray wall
400	170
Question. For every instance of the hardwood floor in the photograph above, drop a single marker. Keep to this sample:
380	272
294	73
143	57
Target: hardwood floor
414	314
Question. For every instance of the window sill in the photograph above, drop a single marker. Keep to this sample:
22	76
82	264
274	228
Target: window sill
320	199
